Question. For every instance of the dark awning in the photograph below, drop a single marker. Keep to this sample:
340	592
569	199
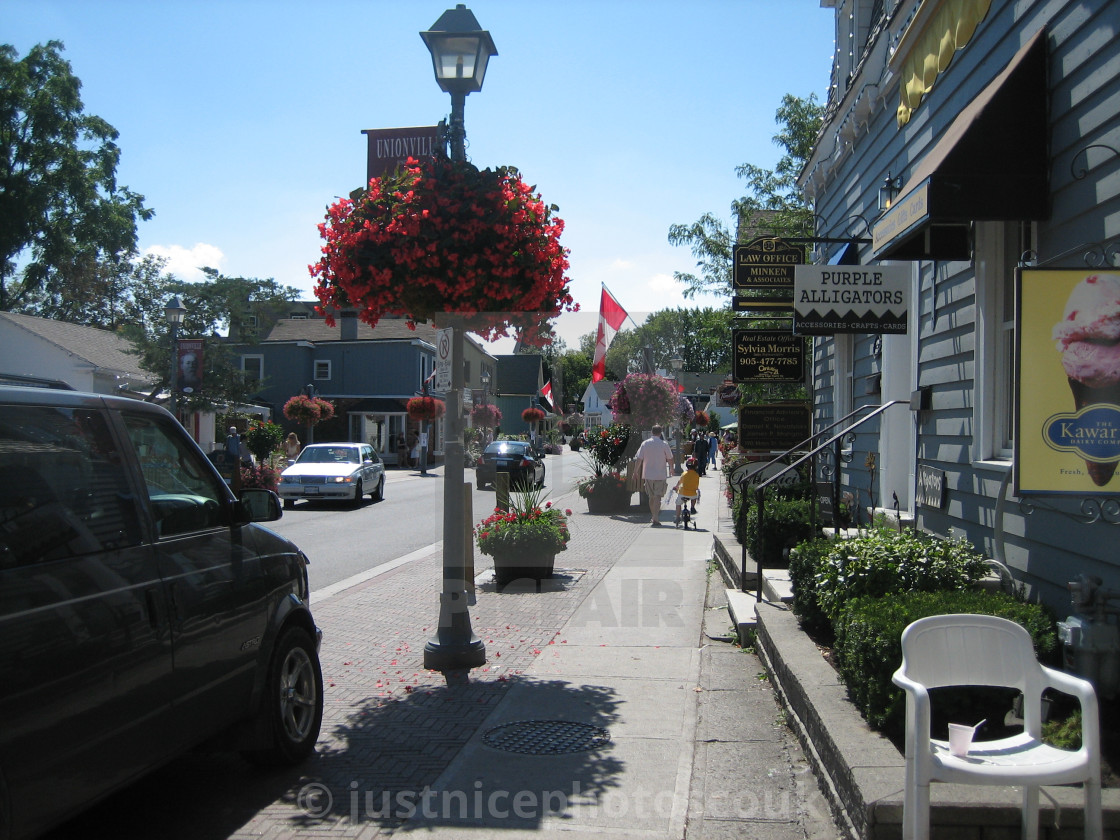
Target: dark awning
991	164
377	405
847	255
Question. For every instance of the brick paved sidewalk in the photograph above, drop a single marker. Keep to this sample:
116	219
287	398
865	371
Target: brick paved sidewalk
390	728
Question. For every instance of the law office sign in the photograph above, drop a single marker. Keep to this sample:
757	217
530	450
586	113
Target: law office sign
766	264
830	299
1067	438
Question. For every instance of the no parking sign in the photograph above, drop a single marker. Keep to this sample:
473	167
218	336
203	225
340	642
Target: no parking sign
444	359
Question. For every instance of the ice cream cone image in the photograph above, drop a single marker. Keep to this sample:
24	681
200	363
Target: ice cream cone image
1083	395
1088	337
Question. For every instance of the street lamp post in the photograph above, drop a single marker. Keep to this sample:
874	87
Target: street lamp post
174	312
460	52
677	363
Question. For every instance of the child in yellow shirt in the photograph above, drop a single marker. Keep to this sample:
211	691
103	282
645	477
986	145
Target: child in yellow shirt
688	488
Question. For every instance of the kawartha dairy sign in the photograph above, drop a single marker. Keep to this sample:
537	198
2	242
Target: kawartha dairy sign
830	299
1068	435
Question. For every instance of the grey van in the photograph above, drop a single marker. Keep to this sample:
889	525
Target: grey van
141	612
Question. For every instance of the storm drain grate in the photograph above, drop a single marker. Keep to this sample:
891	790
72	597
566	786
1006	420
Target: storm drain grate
546	737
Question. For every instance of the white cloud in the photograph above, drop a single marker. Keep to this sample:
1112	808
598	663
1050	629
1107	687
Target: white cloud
665	284
186	263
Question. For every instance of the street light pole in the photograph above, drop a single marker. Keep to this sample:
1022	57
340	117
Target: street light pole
677	363
174	311
460	52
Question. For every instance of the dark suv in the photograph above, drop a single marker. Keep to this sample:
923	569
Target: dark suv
141	613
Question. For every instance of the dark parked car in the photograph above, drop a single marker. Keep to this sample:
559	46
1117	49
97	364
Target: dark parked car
141	613
516	457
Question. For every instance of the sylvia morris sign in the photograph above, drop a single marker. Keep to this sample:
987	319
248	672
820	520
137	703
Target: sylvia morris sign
831	299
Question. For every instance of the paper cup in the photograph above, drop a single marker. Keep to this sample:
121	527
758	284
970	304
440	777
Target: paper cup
960	739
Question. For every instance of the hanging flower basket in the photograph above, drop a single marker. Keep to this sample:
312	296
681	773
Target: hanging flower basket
308	411
486	416
701	420
644	400
438	238
425	408
687	412
532	415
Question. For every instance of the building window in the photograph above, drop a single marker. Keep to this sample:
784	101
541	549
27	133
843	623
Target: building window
322	369
298	316
252	368
999	246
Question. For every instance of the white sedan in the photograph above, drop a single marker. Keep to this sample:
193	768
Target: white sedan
334	471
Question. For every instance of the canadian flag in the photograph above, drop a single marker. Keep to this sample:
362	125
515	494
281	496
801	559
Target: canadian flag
546	392
611	316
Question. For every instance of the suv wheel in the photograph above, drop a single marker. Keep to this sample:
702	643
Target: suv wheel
293	700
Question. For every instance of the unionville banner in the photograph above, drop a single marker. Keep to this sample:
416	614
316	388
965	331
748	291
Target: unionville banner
830	299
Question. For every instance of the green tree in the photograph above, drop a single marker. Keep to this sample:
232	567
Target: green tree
773	205
62	213
211	306
576	367
700	337
106	294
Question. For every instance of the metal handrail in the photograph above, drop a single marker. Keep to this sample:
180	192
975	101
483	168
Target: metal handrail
761	489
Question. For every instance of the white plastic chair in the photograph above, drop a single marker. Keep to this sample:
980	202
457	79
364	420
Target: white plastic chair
981	650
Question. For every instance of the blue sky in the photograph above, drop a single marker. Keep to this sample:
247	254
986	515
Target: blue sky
240	120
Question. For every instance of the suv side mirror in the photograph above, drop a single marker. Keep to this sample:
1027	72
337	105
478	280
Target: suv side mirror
260	505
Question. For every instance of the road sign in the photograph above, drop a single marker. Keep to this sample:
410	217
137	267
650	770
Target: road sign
444	360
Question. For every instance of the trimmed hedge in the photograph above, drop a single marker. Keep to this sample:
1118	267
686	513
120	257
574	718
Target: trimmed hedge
885	562
804	563
786	524
868	651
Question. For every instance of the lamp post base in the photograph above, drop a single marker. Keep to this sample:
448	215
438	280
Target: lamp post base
454	648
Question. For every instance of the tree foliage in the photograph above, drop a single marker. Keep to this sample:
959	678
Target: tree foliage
63	215
700	337
772	206
210	305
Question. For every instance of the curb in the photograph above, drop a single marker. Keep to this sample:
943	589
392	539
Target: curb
860	772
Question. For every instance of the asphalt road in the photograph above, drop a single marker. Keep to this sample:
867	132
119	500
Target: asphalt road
345	542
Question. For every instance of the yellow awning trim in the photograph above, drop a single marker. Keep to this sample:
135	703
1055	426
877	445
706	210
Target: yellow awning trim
947	31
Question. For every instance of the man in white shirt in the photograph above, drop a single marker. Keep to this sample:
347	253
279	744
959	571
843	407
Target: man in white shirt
655	460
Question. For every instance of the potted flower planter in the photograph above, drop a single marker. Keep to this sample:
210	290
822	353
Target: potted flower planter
512	566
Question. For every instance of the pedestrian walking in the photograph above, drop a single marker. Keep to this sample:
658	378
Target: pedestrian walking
713	447
700	452
292	447
655	460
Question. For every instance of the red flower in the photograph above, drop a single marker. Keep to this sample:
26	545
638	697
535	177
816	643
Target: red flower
425	408
440	237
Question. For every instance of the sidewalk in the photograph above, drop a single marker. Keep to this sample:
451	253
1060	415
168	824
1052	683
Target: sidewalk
603	708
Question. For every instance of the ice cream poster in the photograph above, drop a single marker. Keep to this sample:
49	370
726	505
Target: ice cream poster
1068	433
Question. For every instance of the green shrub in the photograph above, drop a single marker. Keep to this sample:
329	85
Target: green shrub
885	562
1064	734
804	563
786	523
264	438
868	650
